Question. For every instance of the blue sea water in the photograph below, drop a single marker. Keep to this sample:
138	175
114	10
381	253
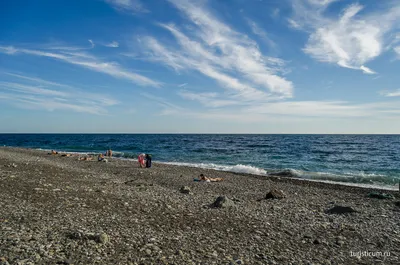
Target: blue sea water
366	159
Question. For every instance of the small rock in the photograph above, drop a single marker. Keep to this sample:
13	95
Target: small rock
185	190
102	238
275	194
341	210
380	195
317	241
223	202
148	251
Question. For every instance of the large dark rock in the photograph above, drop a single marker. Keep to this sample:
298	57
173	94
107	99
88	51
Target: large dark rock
275	194
185	190
380	195
223	202
340	210
284	173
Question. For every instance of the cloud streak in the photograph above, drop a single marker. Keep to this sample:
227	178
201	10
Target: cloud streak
134	6
86	61
220	53
38	95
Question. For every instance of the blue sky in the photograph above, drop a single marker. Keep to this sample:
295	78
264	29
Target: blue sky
176	66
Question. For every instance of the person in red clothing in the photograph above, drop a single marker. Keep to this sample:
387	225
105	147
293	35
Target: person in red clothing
141	160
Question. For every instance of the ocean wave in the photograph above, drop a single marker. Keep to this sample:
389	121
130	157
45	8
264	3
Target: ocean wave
239	168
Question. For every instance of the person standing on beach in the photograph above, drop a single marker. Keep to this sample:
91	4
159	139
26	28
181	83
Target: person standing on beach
148	160
141	160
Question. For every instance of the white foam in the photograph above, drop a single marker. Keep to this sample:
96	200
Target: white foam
239	168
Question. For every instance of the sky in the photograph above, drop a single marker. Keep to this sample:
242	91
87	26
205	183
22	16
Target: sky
216	66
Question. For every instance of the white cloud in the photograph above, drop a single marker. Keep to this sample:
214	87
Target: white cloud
38	95
257	30
92	43
135	6
397	50
113	44
395	93
209	99
215	50
89	62
351	40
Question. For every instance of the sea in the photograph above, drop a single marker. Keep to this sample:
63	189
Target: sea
351	159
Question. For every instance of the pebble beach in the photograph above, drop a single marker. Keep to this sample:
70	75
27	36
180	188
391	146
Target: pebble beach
58	210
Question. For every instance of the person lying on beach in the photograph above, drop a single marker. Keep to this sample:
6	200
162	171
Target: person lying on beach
86	158
141	160
53	152
204	178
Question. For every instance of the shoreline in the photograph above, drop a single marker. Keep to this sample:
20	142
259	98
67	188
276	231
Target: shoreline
60	210
373	186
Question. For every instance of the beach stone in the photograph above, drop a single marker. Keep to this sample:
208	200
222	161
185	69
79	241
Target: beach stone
185	190
340	210
275	194
381	196
102	238
223	202
284	173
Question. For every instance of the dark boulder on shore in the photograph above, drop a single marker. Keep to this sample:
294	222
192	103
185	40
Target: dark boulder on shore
275	194
284	173
185	190
223	202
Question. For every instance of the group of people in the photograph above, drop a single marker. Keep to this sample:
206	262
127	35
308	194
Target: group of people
144	160
102	157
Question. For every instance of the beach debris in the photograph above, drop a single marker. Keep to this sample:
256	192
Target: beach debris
380	195
275	194
340	210
223	202
185	190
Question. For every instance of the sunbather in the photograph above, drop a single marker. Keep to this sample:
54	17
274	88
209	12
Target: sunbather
204	178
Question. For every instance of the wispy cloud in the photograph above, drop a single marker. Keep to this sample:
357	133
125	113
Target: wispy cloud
350	41
86	61
257	30
41	94
183	85
397	50
168	107
135	6
113	44
209	99
395	93
218	52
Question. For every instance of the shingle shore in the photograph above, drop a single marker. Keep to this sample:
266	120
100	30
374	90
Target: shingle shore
58	210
